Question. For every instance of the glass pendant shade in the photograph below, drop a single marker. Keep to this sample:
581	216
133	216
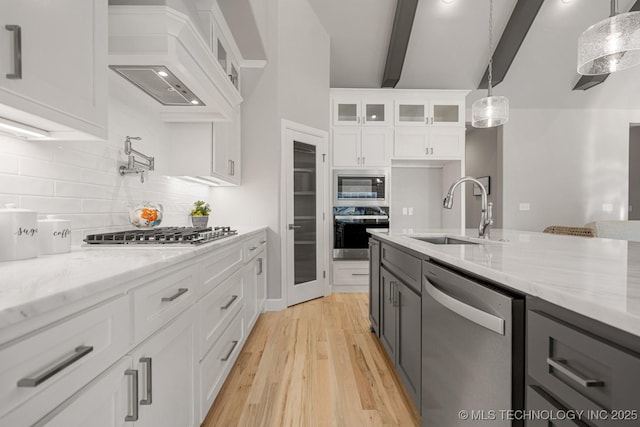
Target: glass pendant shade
490	112
610	45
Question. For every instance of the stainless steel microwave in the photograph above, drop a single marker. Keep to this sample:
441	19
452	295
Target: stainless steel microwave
354	187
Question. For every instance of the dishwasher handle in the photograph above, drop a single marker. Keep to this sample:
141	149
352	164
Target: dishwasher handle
479	317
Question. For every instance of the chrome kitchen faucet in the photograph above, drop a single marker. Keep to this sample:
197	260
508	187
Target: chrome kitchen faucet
486	218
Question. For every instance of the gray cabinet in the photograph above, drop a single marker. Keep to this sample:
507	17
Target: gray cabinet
582	363
400	317
409	351
374	286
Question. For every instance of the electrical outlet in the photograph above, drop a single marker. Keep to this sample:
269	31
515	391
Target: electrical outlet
410	211
607	207
524	207
404	211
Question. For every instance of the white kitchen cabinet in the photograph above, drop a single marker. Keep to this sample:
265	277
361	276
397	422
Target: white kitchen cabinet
208	150
167	367
361	112
105	402
63	63
432	143
350	276
362	147
430	112
42	369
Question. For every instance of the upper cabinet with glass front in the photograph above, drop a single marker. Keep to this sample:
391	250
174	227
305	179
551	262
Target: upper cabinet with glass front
361	112
430	112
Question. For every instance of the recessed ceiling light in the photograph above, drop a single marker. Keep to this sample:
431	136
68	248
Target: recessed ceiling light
447	1
163	74
195	102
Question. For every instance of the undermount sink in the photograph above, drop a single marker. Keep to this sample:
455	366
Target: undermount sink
444	240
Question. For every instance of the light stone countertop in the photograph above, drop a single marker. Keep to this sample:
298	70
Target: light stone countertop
598	278
35	286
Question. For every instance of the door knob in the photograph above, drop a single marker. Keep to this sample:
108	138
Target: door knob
293	227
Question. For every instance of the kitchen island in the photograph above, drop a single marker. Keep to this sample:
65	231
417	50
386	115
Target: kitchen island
519	322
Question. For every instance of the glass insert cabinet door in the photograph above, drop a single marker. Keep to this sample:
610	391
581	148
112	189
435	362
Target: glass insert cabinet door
305	242
429	113
361	113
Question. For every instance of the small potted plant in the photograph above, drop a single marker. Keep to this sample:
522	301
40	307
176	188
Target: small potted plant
200	214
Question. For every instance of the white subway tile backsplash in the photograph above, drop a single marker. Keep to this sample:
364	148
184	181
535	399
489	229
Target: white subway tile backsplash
51	205
80	181
8	163
14	184
91	176
48	169
79	190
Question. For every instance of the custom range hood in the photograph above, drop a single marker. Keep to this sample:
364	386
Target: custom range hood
160	51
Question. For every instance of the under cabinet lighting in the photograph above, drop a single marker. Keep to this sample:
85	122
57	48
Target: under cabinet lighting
21	130
211	182
195	102
163	74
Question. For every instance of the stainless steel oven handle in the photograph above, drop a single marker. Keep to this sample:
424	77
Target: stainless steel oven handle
479	317
561	366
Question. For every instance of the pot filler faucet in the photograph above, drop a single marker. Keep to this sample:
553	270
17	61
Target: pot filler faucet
486	219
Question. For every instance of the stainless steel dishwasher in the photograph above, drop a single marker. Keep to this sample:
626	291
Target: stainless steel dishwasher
472	351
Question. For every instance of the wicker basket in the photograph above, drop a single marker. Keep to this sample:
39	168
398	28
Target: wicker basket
570	231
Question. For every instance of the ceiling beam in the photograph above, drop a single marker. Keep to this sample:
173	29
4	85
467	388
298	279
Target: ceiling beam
400	33
512	37
587	82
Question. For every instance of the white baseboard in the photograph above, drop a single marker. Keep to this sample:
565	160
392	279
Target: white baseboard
275	305
350	288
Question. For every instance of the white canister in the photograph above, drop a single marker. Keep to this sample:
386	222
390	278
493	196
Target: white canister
18	233
54	235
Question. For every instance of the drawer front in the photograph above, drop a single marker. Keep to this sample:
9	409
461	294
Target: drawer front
159	301
347	273
220	265
218	307
216	365
42	370
550	413
253	246
403	265
580	370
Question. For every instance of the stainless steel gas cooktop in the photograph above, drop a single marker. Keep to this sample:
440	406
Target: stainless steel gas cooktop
162	236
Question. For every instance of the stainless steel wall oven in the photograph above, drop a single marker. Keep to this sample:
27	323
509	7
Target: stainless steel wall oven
350	238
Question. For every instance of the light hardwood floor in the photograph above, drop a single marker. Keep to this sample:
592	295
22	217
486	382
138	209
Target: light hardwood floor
314	364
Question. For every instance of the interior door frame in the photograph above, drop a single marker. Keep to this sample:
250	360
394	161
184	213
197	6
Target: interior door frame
286	178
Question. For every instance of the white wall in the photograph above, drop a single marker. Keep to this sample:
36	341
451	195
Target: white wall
566	164
481	159
79	180
293	86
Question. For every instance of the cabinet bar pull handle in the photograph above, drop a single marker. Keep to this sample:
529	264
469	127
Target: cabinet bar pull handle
363	161
561	366
227	305
390	291
253	248
149	383
431	120
17	51
133	395
359	274
431	150
262	242
78	354
358	120
259	261
181	291
233	347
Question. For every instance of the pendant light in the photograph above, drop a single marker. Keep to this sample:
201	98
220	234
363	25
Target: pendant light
491	111
610	45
